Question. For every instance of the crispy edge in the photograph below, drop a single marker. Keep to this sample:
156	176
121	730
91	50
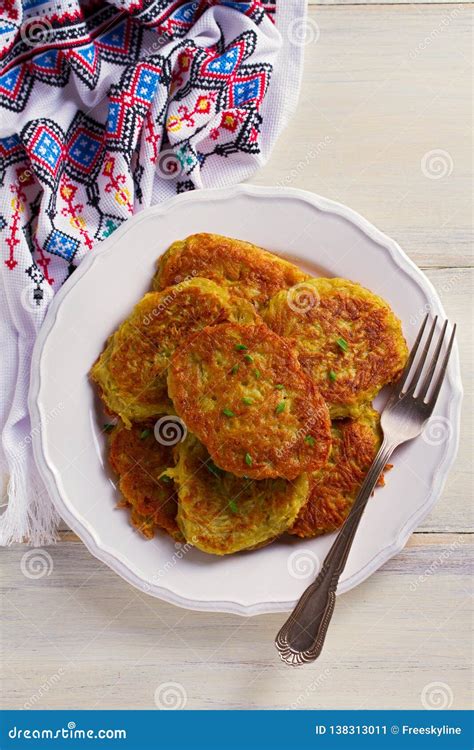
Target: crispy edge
334	488
202	253
129	457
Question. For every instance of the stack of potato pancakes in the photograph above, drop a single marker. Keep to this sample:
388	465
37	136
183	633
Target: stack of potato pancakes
242	393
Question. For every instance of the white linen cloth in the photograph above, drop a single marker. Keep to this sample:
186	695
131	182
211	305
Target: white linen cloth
107	108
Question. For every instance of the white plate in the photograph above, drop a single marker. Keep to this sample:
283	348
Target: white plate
324	238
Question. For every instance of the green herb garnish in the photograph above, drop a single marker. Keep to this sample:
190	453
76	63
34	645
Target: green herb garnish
228	412
247	400
280	407
233	506
248	459
332	375
144	434
342	343
310	440
213	469
234	369
240	347
248	358
279	387
257	373
166	479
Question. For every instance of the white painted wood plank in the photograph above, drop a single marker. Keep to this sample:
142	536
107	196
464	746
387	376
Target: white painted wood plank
454	510
384	89
91	640
82	637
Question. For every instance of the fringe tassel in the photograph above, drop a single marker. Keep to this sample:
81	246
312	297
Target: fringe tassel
29	516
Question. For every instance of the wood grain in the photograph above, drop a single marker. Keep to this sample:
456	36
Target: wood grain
376	99
91	640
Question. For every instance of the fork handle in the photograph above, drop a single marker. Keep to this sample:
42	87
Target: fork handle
301	638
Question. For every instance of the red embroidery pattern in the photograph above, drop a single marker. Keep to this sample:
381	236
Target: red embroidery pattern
43	262
68	192
153	136
116	182
230	120
13	239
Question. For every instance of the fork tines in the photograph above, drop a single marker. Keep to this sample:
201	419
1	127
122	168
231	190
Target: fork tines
409	382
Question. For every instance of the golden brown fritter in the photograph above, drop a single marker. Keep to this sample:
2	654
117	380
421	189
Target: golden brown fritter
334	488
241	390
131	372
348	340
246	269
220	513
139	461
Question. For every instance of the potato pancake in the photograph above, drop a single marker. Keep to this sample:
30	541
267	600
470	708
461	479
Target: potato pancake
220	513
348	340
248	270
139	461
334	488
131	372
241	390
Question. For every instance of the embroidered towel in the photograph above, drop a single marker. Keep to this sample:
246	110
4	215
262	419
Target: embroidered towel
107	108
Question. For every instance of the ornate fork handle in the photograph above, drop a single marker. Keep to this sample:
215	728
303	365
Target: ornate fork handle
301	638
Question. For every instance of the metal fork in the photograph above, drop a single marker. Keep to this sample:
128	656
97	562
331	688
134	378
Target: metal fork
409	406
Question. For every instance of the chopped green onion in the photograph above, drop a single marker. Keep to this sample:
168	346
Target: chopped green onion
332	375
248	459
256	373
310	440
233	506
108	427
240	347
166	479
342	343
247	400
280	407
213	469
248	358
234	369
279	387
144	434
228	412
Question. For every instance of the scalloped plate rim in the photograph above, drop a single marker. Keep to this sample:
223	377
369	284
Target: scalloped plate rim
100	551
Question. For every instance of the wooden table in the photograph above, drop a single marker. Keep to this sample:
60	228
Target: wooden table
384	86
